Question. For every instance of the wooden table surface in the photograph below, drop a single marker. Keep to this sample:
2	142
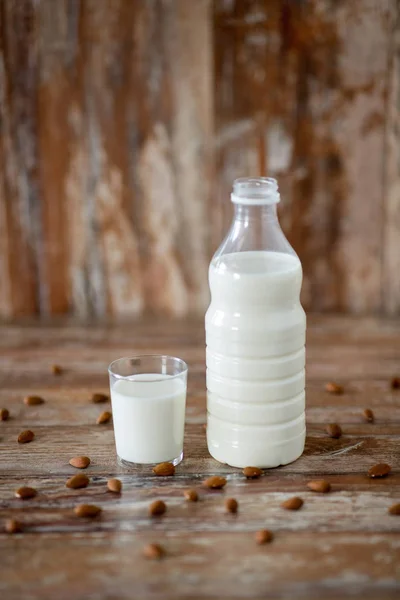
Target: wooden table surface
342	544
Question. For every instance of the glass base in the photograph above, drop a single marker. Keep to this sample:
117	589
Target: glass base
134	465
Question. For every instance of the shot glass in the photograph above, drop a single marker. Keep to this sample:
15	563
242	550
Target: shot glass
148	397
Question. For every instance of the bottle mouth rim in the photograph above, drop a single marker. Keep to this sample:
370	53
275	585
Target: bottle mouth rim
256	191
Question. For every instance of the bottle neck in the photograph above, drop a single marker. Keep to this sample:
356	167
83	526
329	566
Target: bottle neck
255	226
246	213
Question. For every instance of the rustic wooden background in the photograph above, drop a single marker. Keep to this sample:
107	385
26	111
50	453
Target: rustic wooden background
123	123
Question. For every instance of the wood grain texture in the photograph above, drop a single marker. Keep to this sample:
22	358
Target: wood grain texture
391	234
124	123
340	545
300	95
105	153
20	221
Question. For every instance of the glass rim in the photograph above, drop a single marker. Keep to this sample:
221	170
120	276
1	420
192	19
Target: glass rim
256	191
141	356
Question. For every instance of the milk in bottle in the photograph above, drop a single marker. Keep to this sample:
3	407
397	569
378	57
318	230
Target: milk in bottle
255	336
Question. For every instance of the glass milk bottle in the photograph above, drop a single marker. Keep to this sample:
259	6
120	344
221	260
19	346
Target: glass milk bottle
255	336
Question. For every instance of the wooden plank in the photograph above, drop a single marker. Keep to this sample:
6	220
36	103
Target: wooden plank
115	279
246	69
363	62
6	302
54	91
174	159
96	565
391	231
19	193
329	330
362	353
355	452
259	507
142	484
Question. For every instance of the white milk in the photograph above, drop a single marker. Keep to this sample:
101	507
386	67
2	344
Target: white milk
255	334
149	418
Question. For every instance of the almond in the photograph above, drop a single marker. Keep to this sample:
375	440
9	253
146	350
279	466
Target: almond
25	493
4	414
13	526
215	482
292	503
252	472
80	462
395	383
114	485
319	485
104	417
334	430
153	551
334	388
99	398
231	505
164	469
368	415
379	470
204	426
394	510
56	369
25	436
157	508
191	495
33	400
264	536
78	481
87	510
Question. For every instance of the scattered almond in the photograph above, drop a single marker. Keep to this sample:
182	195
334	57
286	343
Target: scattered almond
80	462
231	505
292	503
4	414
25	436
114	485
104	417
395	383
379	470
56	369
394	510
87	510
319	485
368	415
252	472
334	430
191	495
153	551
77	481
25	493
215	482
264	536
33	400
334	388
99	398
157	508
204	426
13	526
164	469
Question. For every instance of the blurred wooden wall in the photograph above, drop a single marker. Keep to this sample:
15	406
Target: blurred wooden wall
124	122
